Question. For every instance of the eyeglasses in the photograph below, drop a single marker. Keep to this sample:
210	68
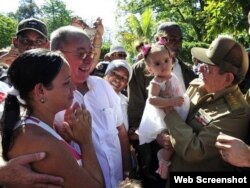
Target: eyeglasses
80	54
209	69
118	76
172	39
121	55
27	42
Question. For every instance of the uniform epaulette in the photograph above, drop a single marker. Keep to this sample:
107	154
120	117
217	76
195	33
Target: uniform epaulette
196	81
233	102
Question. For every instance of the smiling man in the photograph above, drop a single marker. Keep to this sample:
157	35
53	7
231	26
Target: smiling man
216	105
108	131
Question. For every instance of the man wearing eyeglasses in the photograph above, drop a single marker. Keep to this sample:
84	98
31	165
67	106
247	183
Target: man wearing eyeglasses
108	131
31	33
216	105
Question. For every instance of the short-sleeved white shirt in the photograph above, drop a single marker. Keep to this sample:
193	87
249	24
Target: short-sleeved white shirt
177	71
105	108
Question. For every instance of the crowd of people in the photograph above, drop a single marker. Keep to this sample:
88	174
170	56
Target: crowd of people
68	120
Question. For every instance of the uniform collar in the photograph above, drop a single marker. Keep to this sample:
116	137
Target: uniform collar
216	95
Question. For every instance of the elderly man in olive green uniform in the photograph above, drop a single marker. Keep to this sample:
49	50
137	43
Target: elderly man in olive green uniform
216	104
233	150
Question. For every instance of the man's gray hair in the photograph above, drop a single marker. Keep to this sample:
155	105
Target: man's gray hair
63	35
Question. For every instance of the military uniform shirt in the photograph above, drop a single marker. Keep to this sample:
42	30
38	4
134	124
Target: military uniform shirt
194	140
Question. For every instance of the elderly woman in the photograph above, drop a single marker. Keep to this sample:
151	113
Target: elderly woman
118	74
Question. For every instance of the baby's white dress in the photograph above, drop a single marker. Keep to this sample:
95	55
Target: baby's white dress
152	122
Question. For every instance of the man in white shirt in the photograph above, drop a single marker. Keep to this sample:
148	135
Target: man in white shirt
108	131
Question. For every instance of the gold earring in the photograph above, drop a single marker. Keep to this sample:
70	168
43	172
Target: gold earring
42	100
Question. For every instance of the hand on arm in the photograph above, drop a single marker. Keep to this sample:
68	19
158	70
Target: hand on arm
18	173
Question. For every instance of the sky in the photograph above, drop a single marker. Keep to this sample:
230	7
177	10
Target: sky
94	8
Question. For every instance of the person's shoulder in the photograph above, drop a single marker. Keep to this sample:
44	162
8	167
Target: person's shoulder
97	82
187	68
236	101
196	82
95	78
140	70
139	65
194	86
100	83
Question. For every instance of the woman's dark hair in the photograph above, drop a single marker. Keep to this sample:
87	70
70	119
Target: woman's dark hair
30	68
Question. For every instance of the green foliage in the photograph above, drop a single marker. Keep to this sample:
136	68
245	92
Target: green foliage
138	28
137	20
27	9
104	50
55	14
225	17
52	12
200	20
7	30
186	50
147	24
